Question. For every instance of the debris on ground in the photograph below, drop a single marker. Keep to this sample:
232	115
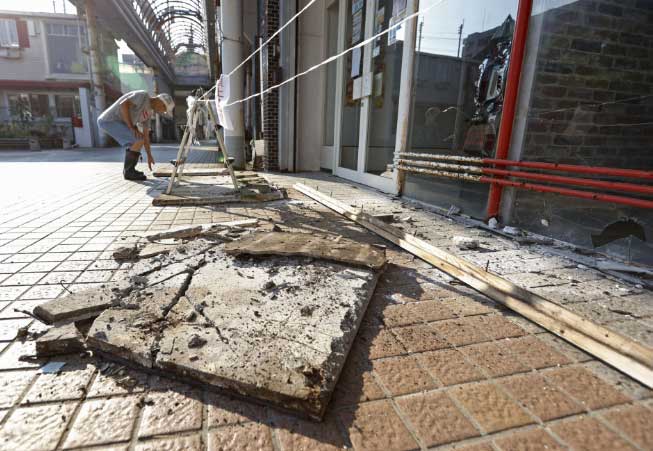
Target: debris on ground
308	245
268	315
52	367
511	230
465	242
453	210
126	253
218	190
385	217
59	340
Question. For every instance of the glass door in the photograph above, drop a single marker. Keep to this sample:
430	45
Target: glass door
353	101
369	91
384	99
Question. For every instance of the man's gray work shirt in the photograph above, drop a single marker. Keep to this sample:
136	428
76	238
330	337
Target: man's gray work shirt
140	109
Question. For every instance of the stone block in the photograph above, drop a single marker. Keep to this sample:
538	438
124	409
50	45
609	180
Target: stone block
58	340
76	306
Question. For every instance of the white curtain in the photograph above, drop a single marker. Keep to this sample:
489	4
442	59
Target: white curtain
8	33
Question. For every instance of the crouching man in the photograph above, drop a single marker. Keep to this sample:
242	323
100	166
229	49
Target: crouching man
128	122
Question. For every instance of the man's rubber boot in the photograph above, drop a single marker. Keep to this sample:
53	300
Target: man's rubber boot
129	172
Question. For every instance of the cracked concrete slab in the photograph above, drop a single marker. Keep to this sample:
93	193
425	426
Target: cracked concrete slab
336	249
130	329
277	328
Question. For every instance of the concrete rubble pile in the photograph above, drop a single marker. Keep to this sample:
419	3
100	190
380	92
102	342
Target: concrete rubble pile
263	314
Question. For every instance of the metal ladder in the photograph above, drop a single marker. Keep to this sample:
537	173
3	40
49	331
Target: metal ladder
187	143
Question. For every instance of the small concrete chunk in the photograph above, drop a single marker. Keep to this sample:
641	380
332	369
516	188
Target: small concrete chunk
126	253
154	249
308	245
58	340
465	242
76	306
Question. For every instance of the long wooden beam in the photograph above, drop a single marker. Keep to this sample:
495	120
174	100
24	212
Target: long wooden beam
623	353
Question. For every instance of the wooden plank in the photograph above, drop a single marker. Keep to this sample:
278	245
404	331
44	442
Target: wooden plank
625	354
192	172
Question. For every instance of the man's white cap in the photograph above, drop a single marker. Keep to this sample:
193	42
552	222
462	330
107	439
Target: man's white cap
168	102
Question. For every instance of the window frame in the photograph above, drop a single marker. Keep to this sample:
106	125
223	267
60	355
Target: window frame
12	34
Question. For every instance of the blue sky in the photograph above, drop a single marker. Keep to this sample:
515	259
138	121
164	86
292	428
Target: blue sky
42	6
440	31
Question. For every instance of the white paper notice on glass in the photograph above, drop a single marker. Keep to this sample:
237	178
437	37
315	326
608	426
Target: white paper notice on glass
392	34
398	7
357	27
356	55
358	88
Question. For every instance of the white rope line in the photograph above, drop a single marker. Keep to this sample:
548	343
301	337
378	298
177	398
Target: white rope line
274	35
339	55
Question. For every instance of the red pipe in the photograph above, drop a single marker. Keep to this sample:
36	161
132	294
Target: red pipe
612	186
510	98
639	203
595	170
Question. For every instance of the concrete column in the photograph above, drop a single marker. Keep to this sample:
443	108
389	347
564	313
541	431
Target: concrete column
97	81
231	21
85	136
406	89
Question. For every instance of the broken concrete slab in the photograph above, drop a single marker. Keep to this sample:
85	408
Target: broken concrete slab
284	343
275	329
208	196
307	245
59	340
77	306
130	330
200	229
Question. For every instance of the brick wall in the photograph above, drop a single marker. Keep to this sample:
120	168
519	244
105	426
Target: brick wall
271	100
591	52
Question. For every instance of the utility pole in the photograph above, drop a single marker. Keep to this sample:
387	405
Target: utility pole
460	36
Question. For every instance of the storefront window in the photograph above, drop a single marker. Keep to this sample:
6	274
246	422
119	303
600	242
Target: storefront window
386	73
26	107
587	99
67	106
65	44
461	62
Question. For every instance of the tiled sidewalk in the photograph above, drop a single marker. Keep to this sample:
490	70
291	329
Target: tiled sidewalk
435	364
